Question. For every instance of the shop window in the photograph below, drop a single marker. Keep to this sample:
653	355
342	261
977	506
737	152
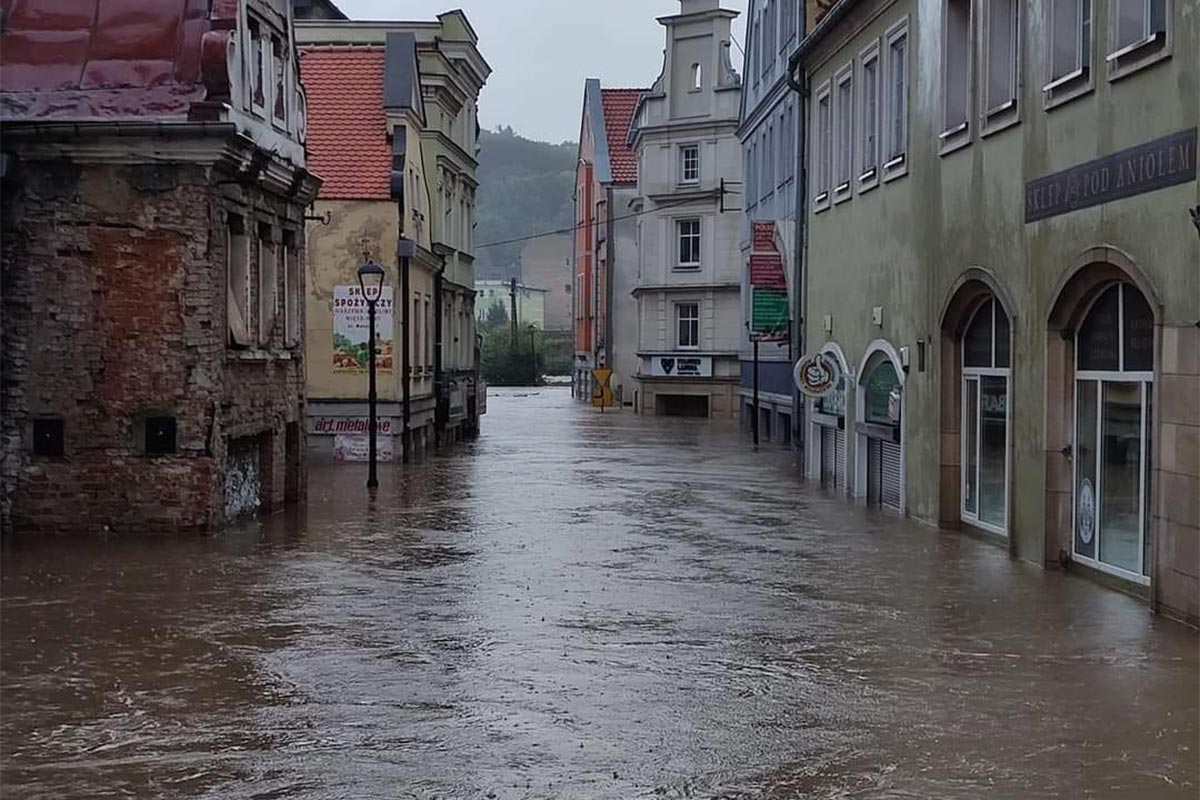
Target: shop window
48	437
1111	448
160	436
985	423
883	395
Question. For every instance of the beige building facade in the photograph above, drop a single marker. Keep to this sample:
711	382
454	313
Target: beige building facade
1003	258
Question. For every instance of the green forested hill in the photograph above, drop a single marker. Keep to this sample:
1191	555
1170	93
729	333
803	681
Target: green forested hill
524	188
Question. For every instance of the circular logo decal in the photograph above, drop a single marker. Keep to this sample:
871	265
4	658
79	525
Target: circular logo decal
1085	513
817	375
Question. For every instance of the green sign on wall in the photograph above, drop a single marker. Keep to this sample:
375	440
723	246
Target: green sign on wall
769	311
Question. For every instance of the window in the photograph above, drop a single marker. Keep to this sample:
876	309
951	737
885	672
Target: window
689	156
48	437
258	66
278	63
748	172
160	436
768	176
821	147
268	288
1138	34
688	231
869	118
766	53
1001	57
843	136
687	316
1070	46
785	139
237	279
1114	372
985	398
292	290
956	74
789	23
896	119
757	44
697	77
429	332
416	350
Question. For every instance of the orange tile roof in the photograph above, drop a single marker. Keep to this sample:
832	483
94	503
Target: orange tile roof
347	132
619	105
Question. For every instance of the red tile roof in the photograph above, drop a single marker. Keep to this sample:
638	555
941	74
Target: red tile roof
347	132
619	105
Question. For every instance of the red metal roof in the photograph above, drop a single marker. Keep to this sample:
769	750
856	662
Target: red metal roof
619	105
347	131
80	59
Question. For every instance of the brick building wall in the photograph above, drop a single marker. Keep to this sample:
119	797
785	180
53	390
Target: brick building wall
114	312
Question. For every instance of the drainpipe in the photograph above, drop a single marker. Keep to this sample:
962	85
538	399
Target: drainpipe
406	358
610	260
439	389
799	402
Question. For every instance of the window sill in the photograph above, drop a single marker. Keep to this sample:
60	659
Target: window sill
1137	57
257	355
868	180
1067	88
896	168
842	193
686	268
954	138
999	120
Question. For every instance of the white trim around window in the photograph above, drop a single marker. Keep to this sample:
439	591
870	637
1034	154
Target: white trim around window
689	163
688	232
1000	76
896	82
870	74
822	138
843	136
957	79
1139	35
687	325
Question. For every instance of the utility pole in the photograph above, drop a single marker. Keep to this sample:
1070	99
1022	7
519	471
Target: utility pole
512	299
754	419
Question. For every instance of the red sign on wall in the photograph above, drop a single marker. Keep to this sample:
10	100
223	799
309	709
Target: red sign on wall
766	271
764	237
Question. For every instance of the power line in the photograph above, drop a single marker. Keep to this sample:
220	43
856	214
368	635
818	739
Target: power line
583	225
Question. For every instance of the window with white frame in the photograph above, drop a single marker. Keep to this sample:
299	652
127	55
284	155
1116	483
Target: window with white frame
843	136
896	82
687	231
1138	32
956	72
237	281
1070	32
868	148
687	326
689	163
821	143
1001	58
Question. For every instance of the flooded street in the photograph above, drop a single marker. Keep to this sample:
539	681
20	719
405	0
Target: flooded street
582	606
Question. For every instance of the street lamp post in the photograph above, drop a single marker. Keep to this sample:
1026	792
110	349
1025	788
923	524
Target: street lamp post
370	280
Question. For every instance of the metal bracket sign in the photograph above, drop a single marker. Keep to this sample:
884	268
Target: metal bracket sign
817	375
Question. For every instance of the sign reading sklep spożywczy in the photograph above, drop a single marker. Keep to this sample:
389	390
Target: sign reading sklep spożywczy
817	375
681	366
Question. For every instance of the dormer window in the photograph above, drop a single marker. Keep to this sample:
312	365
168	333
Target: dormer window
697	77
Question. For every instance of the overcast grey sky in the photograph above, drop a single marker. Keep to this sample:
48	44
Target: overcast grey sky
542	50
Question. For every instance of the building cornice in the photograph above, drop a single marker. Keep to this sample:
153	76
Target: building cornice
721	286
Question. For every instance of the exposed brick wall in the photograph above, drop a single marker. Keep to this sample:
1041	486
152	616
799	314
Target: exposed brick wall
114	310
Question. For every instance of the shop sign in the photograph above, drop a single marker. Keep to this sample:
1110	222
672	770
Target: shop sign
817	375
769	314
350	425
1163	162
351	330
354	447
763	240
766	271
681	366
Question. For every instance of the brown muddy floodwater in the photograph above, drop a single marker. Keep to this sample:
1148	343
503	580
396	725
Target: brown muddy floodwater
582	606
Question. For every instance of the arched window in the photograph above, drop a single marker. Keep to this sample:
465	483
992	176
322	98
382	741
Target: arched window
882	456
697	77
1114	363
985	392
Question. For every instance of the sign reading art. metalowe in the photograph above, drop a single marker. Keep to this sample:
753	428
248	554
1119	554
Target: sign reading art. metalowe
1158	164
817	375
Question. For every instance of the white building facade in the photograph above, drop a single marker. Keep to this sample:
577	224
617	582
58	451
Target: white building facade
768	132
688	287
